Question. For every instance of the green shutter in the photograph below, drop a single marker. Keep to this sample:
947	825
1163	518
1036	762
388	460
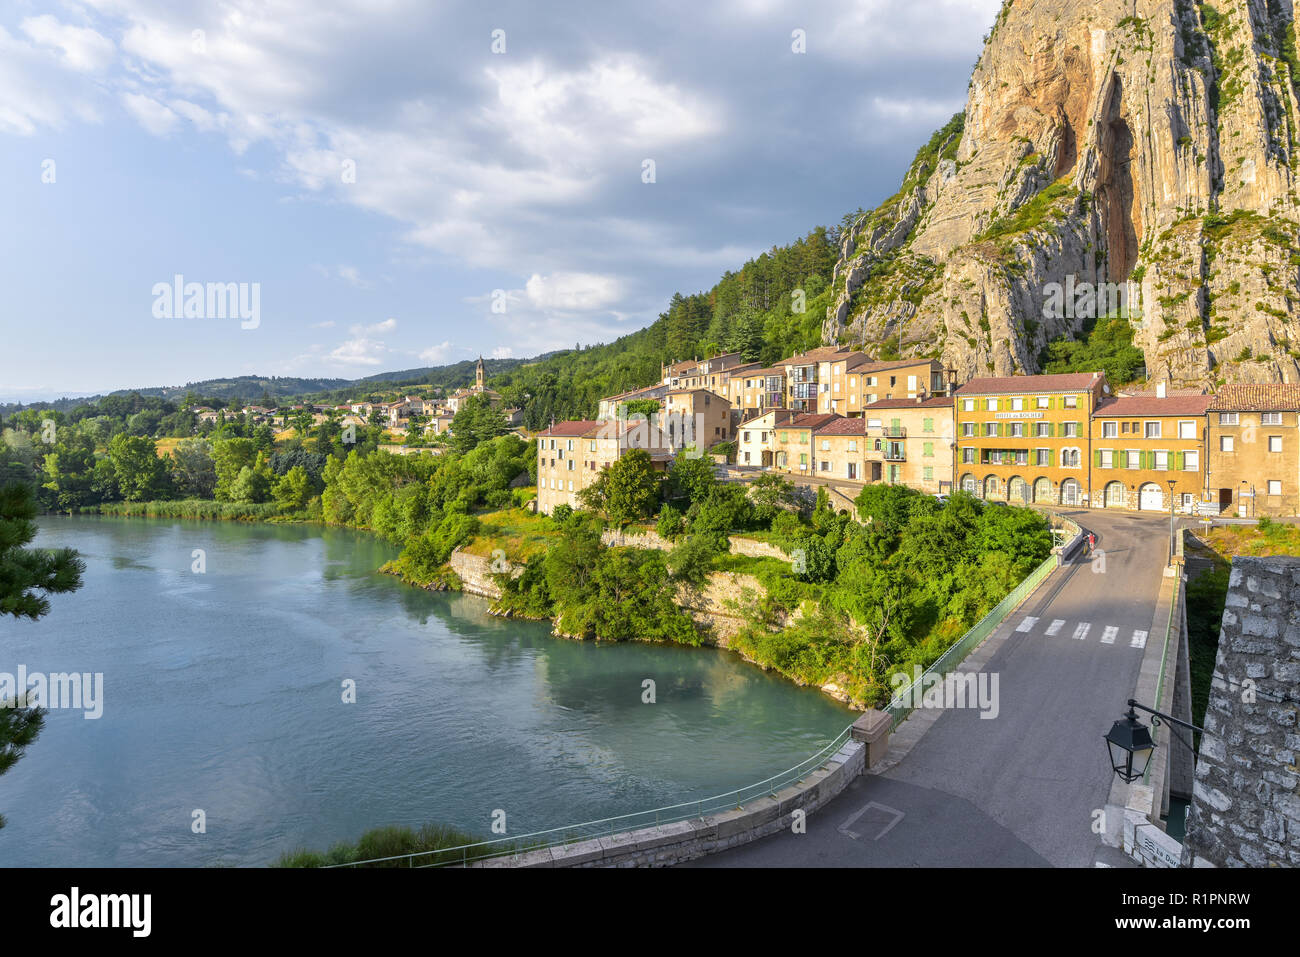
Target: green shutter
927	425
1051	402
1051	430
1097	456
1178	461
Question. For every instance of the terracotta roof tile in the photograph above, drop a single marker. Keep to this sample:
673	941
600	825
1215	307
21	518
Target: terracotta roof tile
1257	397
844	427
1150	404
1064	382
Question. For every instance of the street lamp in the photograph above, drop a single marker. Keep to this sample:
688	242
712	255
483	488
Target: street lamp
1129	744
1172	483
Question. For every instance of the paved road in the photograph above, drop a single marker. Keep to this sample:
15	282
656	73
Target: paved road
1020	789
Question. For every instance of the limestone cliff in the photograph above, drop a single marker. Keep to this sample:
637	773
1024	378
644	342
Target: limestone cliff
1113	141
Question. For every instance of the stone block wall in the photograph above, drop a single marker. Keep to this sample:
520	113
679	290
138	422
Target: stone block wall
1246	797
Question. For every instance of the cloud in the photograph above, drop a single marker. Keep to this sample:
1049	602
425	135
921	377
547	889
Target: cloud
573	292
359	351
81	48
436	355
503	352
352	275
378	329
36	92
155	117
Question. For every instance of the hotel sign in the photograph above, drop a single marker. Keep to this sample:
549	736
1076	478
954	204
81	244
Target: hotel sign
1018	415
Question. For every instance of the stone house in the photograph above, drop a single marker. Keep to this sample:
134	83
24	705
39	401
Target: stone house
1253	460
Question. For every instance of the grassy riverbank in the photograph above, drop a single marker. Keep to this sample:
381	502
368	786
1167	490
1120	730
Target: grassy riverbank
386	842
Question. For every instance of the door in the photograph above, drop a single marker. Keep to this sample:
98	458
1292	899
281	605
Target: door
1151	498
1115	495
1070	492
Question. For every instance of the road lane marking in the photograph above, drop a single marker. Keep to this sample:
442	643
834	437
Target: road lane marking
1056	626
1027	624
1139	640
1108	636
1081	632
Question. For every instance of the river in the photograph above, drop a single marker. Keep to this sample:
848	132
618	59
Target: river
223	693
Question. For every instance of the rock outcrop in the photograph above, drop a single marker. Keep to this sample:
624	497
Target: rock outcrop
1115	142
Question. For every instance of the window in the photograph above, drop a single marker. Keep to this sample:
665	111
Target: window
1017	430
1017	405
826	465
1069	458
968	456
1152	430
1162	461
593	445
1071	401
1043	402
1275	443
853	445
570	485
927	425
990	429
991	405
1225	443
1110	430
927	450
572	462
1192	461
1187	430
826	445
927	474
1042	456
1229	418
1107	459
968	405
1134	460
1043	429
1270	418
1274	487
746	438
968	429
1071	430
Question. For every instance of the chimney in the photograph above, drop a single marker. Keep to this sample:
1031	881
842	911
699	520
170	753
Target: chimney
1161	390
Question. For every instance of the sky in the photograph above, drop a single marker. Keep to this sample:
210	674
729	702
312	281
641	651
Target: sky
403	183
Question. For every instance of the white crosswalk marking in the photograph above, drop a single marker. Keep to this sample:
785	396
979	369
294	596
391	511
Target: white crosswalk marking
1081	632
1108	636
1027	624
1056	626
1139	640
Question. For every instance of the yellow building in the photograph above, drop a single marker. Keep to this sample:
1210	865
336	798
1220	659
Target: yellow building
911	442
697	417
792	448
755	390
571	455
1253	461
1027	438
1142	443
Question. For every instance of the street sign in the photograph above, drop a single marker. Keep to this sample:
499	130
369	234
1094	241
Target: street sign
1208	508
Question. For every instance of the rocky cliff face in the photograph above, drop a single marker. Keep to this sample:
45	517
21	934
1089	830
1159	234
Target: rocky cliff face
1151	142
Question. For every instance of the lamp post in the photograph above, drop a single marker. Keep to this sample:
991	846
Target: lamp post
1129	744
1172	483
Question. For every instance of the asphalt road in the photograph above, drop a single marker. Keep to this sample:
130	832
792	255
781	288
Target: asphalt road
1020	789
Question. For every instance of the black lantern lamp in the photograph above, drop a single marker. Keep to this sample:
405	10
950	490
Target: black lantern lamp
1130	747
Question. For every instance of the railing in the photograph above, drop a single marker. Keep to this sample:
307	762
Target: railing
893	432
466	854
900	707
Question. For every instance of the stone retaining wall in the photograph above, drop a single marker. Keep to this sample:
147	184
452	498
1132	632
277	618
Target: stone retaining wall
670	844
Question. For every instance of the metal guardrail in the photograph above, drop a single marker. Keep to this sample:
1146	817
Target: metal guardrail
899	708
465	854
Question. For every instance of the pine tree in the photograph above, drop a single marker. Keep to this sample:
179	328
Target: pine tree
26	577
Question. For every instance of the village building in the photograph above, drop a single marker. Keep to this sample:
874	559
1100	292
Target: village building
1253	445
911	442
571	456
1146	447
840	449
610	405
697	417
1027	439
850	383
755	390
756	437
793	448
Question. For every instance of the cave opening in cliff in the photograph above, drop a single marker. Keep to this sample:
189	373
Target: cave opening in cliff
1117	194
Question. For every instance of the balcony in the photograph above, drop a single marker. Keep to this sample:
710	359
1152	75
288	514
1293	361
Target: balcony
890	432
894	452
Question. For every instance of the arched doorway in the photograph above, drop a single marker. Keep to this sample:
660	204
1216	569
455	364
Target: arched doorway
991	487
1018	490
1043	491
1115	497
970	484
1151	498
1070	492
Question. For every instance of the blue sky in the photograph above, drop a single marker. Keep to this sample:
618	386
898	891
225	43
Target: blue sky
213	139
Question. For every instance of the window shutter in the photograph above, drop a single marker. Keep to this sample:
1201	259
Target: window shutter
1051	430
1178	461
1051	402
1097	457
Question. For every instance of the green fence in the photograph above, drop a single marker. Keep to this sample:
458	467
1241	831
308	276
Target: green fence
900	707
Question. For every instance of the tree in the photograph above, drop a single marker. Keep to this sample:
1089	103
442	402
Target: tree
229	457
625	491
476	421
27	576
193	471
294	489
691	477
141	475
